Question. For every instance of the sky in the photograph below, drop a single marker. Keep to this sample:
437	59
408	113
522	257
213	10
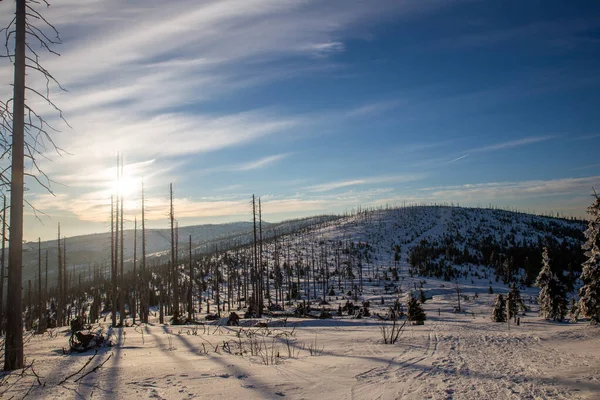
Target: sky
315	106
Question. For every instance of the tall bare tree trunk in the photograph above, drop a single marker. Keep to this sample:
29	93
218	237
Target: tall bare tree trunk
191	287
121	279
145	294
113	263
135	278
174	275
65	300
29	314
256	287
59	284
2	270
13	354
46	280
260	260
41	327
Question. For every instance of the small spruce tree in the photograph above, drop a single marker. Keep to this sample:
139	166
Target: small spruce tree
415	312
589	294
499	310
422	297
515	302
552	299
574	311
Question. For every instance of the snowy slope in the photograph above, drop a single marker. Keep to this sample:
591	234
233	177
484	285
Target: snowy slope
454	355
450	357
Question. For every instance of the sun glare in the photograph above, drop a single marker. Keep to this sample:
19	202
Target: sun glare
123	186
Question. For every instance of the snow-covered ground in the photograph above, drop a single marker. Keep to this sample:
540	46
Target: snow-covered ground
452	356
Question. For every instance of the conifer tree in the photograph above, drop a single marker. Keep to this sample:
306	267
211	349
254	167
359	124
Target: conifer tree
515	302
589	294
499	310
422	297
552	299
415	312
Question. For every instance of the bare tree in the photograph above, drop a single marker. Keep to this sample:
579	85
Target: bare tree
144	294
133	308
2	271
174	274
59	283
41	327
191	286
22	121
113	263
121	278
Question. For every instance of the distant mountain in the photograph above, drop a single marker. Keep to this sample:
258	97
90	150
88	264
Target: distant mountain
432	237
94	249
86	251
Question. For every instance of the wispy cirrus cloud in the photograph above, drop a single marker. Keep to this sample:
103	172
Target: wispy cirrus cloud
329	186
373	108
138	80
515	190
511	144
458	159
592	166
262	163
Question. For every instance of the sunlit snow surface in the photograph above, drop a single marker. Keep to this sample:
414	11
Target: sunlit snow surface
453	356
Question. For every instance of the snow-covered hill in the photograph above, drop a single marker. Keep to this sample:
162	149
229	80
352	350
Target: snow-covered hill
86	251
459	353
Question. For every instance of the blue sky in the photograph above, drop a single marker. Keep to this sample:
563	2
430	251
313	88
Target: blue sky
318	107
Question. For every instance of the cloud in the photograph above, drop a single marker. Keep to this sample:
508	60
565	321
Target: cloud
261	163
373	108
329	186
512	144
246	166
514	190
137	79
458	159
586	167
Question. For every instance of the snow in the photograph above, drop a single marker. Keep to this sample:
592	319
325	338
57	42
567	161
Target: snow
458	356
452	356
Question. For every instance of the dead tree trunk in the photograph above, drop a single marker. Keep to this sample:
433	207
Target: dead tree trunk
13	355
191	286
174	275
255	279
264	289
121	279
113	263
65	299
46	280
2	270
144	294
135	278
41	326
59	298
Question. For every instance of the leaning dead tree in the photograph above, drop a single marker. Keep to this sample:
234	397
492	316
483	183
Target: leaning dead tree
30	138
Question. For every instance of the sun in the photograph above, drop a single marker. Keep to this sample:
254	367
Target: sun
124	185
